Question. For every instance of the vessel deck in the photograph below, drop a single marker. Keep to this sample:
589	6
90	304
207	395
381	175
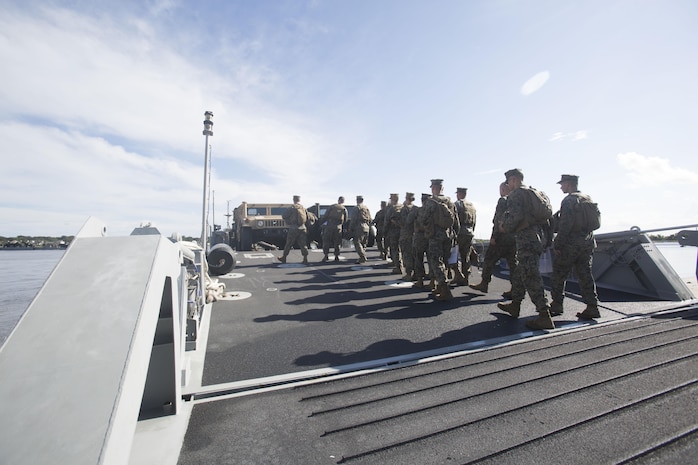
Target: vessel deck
465	369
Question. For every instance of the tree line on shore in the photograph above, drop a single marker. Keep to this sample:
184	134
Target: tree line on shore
35	242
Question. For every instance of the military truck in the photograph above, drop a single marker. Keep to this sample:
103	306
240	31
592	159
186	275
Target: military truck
259	223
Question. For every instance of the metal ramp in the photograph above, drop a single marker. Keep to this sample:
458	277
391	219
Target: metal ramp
628	261
97	348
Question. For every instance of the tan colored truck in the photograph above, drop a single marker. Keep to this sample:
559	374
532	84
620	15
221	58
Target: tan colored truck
259	223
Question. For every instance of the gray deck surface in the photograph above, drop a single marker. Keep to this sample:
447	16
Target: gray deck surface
619	389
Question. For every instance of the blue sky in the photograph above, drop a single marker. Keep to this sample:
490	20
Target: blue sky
102	103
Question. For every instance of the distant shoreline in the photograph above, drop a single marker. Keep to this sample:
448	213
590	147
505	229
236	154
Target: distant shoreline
32	248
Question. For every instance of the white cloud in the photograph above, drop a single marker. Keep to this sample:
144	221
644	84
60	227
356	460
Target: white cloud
535	83
573	136
111	119
653	171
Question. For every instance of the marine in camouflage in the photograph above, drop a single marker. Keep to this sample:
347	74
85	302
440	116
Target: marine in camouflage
391	228
467	218
530	243
573	249
335	217
379	221
440	240
502	245
406	233
420	243
360	221
297	231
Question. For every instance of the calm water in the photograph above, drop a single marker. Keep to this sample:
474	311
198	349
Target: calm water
23	272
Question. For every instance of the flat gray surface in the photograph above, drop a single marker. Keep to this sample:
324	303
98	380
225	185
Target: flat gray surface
585	393
330	314
61	368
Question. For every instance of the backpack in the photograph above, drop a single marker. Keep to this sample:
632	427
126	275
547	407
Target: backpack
444	216
302	215
365	214
336	213
541	210
588	216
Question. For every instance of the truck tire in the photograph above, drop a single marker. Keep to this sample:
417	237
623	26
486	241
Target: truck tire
221	259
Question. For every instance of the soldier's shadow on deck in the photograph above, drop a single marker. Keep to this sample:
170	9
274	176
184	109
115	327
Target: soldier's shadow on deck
502	326
385	304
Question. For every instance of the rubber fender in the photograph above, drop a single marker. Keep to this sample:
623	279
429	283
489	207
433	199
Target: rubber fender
221	259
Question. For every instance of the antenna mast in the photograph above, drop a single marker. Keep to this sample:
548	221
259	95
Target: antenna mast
208	125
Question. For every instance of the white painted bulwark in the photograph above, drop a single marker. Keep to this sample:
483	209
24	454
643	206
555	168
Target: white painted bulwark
73	373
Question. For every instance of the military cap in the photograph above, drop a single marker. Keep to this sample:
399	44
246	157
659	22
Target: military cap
296	197
394	196
568	177
463	190
437	182
514	172
409	195
359	198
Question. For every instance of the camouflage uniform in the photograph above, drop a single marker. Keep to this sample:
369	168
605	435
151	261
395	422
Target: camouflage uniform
574	249
297	231
530	243
467	218
379	221
502	245
332	234
420	243
406	233
440	239
392	234
360	224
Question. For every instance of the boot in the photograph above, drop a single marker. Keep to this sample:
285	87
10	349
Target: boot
305	260
555	308
325	258
542	322
432	285
482	287
507	294
420	282
443	293
460	279
281	258
407	277
513	308
397	270
589	313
